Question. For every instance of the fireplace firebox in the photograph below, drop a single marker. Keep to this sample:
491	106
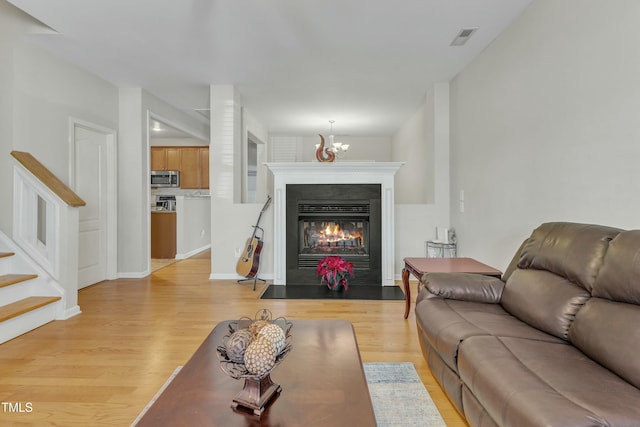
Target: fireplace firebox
333	219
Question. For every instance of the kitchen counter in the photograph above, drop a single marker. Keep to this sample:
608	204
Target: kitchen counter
197	196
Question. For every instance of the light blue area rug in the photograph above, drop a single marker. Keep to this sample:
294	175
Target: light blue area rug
399	397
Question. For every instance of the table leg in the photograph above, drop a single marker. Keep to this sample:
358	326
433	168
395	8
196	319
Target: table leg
407	292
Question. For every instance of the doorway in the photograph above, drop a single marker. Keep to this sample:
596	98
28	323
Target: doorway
93	178
253	177
166	224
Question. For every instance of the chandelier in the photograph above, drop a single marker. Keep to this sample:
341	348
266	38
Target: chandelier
334	149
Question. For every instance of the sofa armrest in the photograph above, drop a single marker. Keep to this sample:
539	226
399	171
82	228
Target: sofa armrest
461	286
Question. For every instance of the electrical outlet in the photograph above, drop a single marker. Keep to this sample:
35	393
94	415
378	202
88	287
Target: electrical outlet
202	233
238	252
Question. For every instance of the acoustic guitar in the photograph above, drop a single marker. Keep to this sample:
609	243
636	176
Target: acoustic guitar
249	262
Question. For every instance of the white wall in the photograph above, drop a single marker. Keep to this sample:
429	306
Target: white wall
422	184
545	126
39	93
415	180
133	206
47	92
13	23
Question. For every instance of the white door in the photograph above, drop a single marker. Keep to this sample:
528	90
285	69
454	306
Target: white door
90	179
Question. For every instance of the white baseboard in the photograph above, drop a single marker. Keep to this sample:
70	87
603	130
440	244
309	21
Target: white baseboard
192	253
411	278
134	275
69	313
234	276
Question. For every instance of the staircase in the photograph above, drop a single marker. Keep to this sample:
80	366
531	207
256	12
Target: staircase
29	298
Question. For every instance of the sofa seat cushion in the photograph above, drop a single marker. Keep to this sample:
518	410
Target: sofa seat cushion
445	323
523	382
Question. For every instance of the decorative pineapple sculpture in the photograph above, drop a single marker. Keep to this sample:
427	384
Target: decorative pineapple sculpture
260	357
275	335
251	350
254	347
237	344
255	327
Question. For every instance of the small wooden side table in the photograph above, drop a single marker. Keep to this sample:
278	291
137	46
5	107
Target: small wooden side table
419	266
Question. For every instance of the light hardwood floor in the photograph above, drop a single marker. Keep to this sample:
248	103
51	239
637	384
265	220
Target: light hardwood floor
103	366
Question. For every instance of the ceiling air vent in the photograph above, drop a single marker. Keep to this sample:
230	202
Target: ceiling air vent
463	36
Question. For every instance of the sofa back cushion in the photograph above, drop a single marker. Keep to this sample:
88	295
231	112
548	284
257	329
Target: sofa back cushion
544	300
608	333
619	277
513	264
570	250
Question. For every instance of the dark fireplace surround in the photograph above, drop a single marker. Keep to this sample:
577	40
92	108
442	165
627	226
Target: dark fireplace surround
333	219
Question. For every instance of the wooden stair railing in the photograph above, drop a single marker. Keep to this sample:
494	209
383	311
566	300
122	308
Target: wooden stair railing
49	179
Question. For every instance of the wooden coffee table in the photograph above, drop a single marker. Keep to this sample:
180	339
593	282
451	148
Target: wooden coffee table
322	379
419	266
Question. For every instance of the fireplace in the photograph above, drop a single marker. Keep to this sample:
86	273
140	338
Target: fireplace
333	219
380	174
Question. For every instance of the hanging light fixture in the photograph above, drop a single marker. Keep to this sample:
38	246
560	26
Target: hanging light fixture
334	147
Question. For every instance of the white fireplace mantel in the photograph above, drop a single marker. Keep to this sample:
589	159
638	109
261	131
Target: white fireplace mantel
333	173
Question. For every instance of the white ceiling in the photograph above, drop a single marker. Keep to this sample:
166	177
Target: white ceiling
297	63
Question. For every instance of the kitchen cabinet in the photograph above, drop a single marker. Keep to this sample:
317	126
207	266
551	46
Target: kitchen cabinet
204	167
194	167
165	158
163	234
192	162
189	168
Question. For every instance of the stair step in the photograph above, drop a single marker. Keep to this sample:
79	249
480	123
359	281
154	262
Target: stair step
23	306
12	279
6	254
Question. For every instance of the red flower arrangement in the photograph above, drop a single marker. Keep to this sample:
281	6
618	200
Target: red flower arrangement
335	271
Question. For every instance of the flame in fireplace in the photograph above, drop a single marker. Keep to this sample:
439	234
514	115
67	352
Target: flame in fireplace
334	234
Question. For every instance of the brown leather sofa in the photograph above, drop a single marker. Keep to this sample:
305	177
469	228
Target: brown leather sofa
556	342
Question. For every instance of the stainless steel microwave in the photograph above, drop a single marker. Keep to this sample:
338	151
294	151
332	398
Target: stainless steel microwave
165	178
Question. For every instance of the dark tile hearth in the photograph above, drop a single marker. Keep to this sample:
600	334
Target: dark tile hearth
355	292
